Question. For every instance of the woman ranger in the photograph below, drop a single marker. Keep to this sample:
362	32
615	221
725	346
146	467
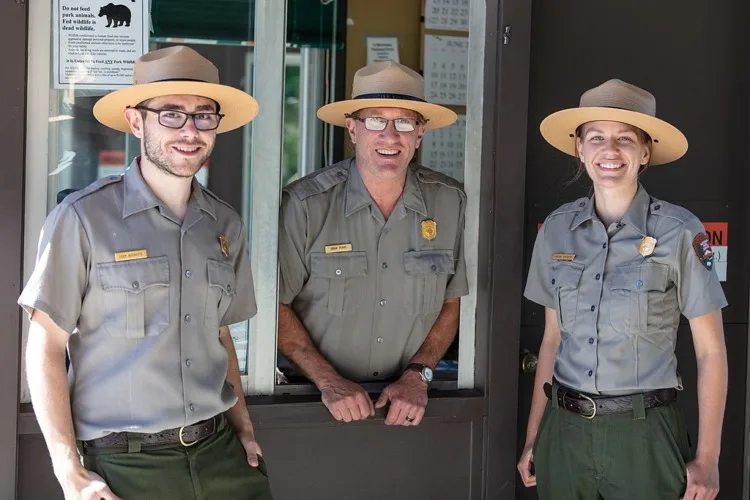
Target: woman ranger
614	272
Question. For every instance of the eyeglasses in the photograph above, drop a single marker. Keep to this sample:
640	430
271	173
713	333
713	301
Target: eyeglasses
378	123
172	118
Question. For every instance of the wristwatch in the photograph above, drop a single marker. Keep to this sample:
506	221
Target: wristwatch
424	371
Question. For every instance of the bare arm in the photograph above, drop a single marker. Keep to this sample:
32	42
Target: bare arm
295	343
346	400
544	370
440	336
408	395
48	385
711	355
237	415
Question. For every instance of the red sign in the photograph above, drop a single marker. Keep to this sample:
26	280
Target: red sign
718	233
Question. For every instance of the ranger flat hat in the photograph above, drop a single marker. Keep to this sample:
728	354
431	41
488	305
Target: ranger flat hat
617	101
176	70
387	84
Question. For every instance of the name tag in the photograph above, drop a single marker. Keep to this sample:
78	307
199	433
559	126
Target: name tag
131	255
564	256
341	247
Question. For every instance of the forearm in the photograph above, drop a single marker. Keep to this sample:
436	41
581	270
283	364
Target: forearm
712	394
237	415
48	385
295	343
544	371
440	336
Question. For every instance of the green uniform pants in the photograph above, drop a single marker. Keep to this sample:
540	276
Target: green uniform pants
623	456
215	468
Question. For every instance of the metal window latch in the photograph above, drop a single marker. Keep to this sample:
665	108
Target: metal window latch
506	35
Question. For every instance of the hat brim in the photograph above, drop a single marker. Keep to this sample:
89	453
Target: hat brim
437	116
238	107
668	143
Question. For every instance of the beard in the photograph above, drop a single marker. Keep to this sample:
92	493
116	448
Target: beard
158	157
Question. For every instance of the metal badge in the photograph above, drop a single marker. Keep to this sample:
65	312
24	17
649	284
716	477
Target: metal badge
429	229
647	246
224	244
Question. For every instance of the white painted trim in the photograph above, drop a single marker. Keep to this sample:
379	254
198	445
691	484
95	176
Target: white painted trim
472	184
267	148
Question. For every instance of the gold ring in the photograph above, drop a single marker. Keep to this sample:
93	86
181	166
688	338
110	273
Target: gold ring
182	440
409	419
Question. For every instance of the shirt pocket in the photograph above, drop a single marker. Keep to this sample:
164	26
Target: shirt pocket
221	291
564	278
637	297
335	276
426	275
135	297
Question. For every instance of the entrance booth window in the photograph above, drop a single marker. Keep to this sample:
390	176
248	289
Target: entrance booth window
293	57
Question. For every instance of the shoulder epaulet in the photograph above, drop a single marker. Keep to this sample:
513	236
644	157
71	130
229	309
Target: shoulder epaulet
92	188
430	176
320	181
215	197
666	209
573	206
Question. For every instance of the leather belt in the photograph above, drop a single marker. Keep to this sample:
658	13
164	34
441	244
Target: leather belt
589	407
187	435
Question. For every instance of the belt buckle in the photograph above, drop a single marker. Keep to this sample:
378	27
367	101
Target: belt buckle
186	445
593	404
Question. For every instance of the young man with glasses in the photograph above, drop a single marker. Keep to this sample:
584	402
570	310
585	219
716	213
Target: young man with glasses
371	255
139	276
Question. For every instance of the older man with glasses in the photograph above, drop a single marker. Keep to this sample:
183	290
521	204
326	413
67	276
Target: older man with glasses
371	255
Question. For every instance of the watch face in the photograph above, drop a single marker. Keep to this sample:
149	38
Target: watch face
427	372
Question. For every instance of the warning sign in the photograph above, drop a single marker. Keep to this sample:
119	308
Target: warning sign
718	238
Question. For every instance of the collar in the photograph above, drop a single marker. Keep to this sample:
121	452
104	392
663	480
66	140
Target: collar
139	197
635	216
357	196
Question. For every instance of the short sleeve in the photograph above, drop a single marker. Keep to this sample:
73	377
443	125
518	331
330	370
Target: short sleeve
60	277
293	272
458	284
537	289
243	306
698	288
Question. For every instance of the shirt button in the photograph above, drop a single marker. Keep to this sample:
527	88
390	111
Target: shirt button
657	207
385	265
582	204
188	362
591	341
553	281
638	284
382	302
598	276
590	373
192	407
188	273
136	285
604	245
229	288
187	318
380	340
619	225
338	272
593	308
434	267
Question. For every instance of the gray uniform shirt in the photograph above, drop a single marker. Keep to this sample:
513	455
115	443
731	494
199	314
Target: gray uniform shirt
618	310
366	289
143	295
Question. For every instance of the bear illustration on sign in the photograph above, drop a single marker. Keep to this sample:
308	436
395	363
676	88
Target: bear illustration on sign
117	14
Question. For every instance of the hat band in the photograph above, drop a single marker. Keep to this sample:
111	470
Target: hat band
402	97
